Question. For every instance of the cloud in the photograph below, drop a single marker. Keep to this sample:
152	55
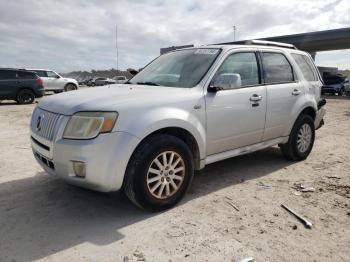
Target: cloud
80	35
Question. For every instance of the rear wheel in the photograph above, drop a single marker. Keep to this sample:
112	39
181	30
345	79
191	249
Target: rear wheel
25	96
159	173
301	139
341	92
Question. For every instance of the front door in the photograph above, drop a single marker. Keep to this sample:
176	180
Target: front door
236	117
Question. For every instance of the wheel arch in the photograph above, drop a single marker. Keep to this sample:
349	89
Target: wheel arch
183	134
70	83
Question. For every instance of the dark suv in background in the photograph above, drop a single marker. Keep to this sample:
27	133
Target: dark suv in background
20	85
336	84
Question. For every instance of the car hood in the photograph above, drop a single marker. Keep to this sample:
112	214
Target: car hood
112	97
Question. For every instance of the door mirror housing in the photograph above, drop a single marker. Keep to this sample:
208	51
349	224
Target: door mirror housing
225	82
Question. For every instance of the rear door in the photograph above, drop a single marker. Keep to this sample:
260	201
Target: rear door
312	83
8	84
234	119
283	92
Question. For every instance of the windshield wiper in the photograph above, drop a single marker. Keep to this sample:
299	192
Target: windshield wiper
147	83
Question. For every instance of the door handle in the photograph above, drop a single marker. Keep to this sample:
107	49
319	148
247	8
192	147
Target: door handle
255	98
296	92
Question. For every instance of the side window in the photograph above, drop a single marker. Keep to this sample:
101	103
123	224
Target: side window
7	74
41	73
244	64
306	67
277	69
25	75
51	74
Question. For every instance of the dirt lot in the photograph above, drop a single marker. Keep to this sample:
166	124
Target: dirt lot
232	211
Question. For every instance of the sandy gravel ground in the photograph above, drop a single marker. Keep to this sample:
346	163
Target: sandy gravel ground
232	211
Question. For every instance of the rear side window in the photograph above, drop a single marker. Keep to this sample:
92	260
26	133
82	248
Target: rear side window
41	73
7	74
26	75
306	67
277	68
244	64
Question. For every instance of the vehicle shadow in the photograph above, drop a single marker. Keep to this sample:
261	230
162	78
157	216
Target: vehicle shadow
41	216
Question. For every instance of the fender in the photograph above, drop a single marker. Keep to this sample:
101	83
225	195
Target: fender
307	102
155	119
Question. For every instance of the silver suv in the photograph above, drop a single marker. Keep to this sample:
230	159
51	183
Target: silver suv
186	109
54	82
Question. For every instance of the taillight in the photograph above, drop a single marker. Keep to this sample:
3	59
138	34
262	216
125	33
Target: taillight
39	81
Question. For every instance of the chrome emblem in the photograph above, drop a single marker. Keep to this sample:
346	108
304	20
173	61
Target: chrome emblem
38	122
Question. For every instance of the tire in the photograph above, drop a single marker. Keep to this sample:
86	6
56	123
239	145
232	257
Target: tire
70	87
299	150
25	96
144	174
341	92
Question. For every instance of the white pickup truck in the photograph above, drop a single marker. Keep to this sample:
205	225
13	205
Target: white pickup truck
186	109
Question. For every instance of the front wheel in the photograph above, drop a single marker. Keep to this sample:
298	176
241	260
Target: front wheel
159	173
25	96
70	87
301	139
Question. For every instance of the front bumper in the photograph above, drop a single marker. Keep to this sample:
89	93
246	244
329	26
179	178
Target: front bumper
106	158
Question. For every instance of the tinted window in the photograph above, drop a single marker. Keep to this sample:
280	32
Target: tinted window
121	78
41	73
26	75
276	68
7	74
244	64
306	67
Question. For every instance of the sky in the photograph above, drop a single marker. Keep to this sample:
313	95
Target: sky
68	35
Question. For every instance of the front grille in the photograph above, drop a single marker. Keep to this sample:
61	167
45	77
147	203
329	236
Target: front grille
44	123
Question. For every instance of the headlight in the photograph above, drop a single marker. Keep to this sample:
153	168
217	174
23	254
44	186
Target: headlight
87	125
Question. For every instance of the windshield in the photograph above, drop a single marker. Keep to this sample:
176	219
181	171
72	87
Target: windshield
183	68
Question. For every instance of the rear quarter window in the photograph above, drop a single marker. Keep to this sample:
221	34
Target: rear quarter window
26	75
306	67
277	68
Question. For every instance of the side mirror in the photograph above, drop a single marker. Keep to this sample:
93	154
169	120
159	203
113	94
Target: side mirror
57	76
225	82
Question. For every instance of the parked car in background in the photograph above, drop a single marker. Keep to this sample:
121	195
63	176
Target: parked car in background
100	81
335	84
120	79
215	103
20	85
54	82
347	86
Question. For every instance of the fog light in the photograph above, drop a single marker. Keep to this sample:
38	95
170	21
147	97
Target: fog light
79	168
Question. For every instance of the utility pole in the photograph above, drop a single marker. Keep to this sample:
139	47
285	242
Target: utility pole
234	33
116	46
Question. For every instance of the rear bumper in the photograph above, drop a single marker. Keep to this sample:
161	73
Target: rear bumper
319	122
39	92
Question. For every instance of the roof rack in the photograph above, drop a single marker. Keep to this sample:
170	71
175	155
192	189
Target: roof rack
269	43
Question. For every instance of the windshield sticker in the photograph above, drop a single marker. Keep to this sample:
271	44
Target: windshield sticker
206	51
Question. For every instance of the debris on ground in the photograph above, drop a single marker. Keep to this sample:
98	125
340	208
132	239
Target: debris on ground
232	205
263	185
306	222
304	188
246	259
136	256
